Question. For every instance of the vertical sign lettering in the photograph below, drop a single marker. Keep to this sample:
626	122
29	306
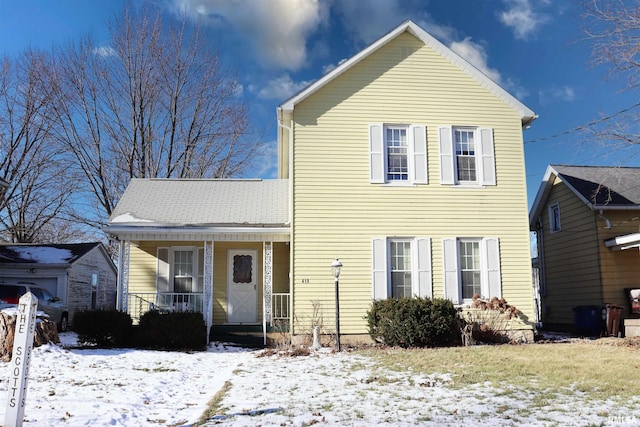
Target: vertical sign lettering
19	366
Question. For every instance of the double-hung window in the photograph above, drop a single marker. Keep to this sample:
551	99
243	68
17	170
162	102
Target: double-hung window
471	266
466	156
398	153
401	267
180	269
470	270
395	142
554	217
465	147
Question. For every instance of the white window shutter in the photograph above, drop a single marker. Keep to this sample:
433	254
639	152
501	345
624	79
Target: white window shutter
488	161
491	267
200	278
419	153
421	262
376	154
450	263
447	168
163	270
379	268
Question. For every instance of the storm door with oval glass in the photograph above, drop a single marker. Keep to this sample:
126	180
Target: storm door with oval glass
242	287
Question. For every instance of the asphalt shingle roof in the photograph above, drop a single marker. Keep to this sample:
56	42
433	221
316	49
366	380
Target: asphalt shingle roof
201	202
66	253
600	185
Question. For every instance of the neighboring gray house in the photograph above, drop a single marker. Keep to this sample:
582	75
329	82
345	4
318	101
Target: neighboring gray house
82	275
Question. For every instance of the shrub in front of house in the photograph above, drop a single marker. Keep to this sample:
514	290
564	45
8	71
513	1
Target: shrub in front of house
414	322
172	331
103	328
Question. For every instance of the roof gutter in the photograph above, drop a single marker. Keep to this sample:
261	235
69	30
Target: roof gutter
122	229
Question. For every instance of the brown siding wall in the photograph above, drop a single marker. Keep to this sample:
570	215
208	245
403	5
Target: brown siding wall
571	258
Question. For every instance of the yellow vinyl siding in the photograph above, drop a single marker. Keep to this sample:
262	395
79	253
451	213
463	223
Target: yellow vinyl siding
337	211
571	259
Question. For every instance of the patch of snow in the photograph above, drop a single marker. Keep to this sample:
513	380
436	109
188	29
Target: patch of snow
128	387
43	255
127	217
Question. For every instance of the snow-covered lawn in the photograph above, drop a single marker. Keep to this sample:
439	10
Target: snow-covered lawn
124	387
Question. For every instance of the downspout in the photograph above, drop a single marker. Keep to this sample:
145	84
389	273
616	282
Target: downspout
542	288
291	210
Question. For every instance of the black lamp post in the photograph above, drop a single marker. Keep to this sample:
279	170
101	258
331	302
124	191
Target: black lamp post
336	265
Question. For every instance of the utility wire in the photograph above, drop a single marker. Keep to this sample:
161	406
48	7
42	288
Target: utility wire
582	127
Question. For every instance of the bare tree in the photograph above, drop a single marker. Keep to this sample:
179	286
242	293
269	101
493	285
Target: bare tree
153	103
29	159
613	28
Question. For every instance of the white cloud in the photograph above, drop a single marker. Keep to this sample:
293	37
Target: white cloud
521	17
277	29
104	51
476	55
368	20
564	93
281	88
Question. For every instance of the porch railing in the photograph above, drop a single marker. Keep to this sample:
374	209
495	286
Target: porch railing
280	306
141	302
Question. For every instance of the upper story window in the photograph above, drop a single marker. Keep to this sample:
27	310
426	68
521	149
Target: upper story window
398	154
395	142
554	217
465	146
466	156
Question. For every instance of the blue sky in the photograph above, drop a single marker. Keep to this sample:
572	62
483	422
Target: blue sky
533	48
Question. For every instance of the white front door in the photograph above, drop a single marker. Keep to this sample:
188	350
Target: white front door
242	287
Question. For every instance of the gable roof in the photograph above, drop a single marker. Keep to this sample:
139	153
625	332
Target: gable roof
526	115
49	254
599	187
202	203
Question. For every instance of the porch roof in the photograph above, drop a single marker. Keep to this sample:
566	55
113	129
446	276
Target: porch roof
622	242
202	206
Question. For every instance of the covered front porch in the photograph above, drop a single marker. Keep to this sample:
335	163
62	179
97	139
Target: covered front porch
220	247
237	284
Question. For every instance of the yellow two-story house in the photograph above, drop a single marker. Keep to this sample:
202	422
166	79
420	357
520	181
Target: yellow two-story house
405	162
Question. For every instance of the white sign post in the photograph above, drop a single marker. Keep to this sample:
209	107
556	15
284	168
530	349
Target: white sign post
19	367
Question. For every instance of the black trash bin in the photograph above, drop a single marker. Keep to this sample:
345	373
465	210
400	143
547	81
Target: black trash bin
587	320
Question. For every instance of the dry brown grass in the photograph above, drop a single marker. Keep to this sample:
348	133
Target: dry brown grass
605	368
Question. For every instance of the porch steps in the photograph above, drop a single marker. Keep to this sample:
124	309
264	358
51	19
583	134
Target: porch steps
247	336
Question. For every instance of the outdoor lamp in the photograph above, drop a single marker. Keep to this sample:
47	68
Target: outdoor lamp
336	265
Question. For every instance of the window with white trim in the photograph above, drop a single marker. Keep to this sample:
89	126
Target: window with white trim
395	143
179	269
398	154
465	148
466	156
554	217
471	266
401	267
470	270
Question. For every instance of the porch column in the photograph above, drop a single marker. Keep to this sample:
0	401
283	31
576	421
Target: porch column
122	301
267	287
208	286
